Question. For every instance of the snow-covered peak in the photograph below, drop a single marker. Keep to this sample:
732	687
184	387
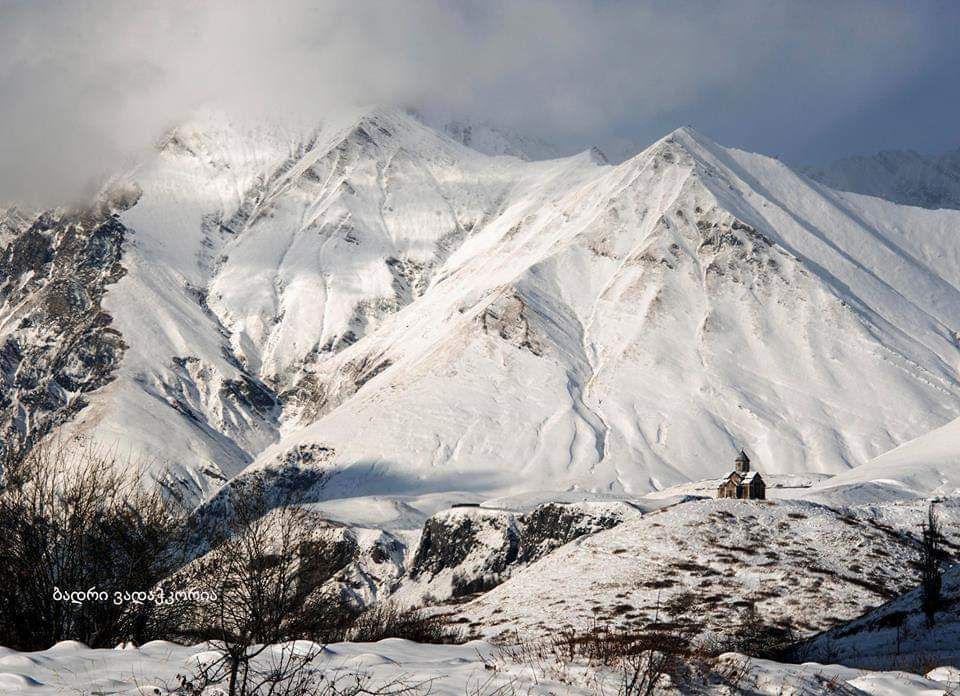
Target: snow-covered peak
369	296
490	139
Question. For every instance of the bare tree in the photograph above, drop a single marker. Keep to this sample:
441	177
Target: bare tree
931	551
79	536
258	600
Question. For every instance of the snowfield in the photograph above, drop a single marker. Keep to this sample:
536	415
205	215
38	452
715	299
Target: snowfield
475	667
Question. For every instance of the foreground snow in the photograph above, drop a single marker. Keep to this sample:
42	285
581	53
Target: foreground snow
473	668
72	667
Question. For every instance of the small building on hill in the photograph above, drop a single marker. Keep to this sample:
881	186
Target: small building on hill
741	482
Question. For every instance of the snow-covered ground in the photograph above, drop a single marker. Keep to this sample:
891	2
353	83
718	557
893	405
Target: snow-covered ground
73	668
797	562
454	670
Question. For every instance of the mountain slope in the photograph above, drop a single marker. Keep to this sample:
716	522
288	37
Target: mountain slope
894	635
926	467
901	176
629	337
410	316
256	254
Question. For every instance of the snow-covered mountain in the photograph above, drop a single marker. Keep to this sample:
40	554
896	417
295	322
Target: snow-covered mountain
375	299
901	176
493	140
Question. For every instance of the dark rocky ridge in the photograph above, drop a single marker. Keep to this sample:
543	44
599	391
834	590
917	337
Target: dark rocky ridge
60	345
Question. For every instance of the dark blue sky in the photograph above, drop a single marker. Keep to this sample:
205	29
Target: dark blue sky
809	108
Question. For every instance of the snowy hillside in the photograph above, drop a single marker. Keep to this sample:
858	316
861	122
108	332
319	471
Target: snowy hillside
900	176
798	563
895	635
373	298
926	467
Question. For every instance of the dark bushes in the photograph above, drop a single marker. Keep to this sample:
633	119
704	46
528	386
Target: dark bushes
388	620
77	537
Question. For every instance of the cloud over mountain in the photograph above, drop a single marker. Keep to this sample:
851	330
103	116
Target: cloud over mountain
88	85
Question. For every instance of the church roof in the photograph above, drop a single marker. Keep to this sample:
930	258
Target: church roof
730	475
743	457
744	477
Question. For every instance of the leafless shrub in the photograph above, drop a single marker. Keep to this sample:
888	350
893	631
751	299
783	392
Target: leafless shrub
308	681
638	660
388	620
253	599
78	535
754	636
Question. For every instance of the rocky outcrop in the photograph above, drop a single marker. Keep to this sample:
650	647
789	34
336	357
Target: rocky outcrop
58	344
466	550
473	546
552	525
507	318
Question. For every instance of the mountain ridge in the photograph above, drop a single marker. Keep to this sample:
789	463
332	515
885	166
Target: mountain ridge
373	298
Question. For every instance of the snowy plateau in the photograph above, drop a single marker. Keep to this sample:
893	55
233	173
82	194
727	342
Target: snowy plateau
503	384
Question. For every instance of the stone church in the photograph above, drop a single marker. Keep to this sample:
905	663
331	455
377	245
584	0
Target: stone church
741	482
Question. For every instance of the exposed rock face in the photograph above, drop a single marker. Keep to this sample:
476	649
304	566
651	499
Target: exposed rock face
552	525
475	546
468	550
57	344
352	567
506	317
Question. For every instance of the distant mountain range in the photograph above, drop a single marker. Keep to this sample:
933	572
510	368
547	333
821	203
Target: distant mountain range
901	176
